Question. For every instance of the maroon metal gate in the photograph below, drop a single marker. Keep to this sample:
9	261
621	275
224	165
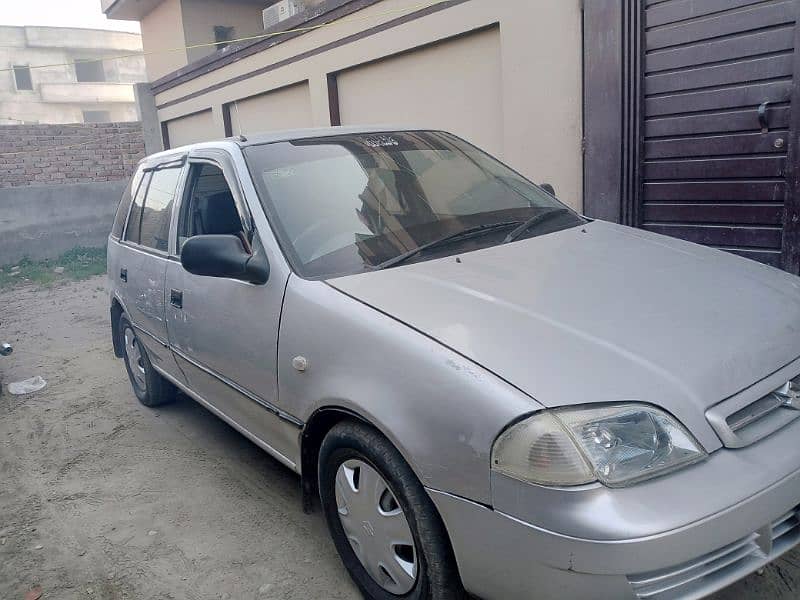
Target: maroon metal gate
697	97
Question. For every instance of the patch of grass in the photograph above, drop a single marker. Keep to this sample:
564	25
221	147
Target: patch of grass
78	263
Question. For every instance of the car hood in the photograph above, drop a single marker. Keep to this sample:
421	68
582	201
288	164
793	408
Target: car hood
601	313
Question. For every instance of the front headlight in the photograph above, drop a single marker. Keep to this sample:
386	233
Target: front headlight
616	444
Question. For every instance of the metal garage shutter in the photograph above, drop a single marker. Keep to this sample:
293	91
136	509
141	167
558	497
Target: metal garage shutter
713	172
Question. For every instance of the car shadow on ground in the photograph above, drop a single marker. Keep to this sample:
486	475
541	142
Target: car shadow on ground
188	414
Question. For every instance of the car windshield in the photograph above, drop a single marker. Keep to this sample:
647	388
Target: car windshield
352	203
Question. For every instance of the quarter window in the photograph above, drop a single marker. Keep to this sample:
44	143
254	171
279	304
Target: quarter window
125	204
133	229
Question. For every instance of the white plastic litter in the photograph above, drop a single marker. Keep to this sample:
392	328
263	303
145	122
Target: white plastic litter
28	386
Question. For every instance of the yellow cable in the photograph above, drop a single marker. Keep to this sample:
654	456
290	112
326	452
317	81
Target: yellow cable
341	21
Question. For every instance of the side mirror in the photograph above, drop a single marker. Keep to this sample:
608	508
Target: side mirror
224	256
548	188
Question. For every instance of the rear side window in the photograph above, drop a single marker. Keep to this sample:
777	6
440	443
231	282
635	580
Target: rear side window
125	204
154	229
135	220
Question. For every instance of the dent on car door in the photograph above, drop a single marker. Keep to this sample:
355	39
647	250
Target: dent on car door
223	332
141	268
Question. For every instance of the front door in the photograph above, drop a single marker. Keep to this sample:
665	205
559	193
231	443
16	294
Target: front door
223	332
708	135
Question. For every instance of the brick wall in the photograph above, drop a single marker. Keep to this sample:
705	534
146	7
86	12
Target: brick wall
57	154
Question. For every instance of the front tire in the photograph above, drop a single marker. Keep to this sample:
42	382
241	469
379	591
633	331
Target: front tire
150	388
385	527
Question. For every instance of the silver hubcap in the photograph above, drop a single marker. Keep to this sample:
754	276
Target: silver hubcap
376	526
133	355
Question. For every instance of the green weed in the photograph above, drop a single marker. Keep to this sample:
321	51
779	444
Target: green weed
78	264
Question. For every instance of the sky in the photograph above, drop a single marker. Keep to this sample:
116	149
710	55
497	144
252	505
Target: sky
60	13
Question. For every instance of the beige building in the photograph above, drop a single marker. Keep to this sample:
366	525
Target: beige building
505	74
676	117
56	75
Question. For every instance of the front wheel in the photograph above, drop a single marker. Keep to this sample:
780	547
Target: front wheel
385	527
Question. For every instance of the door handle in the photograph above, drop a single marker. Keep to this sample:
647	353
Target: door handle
123	274
763	117
176	298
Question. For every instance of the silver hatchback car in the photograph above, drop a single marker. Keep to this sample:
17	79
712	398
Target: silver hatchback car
489	393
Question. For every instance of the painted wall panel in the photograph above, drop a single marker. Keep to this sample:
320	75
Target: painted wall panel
286	108
198	127
455	85
162	36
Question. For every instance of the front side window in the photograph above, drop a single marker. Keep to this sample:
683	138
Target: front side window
208	207
352	203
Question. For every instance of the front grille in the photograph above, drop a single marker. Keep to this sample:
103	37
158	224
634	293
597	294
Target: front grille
743	420
786	531
703	575
755	412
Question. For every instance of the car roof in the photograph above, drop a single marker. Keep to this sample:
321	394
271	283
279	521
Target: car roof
285	135
302	134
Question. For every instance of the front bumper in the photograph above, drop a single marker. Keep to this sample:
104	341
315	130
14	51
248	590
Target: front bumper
684	535
504	558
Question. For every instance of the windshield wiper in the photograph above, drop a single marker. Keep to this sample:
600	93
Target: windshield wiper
466	233
535	220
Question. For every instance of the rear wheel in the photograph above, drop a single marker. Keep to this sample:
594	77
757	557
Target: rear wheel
385	527
150	388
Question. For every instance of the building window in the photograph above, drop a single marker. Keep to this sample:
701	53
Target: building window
22	77
96	116
89	70
222	35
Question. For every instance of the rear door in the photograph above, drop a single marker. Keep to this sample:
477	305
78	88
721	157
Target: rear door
224	332
142	261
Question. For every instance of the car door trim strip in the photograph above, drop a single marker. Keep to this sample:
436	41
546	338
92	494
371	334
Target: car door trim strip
150	335
264	403
268	405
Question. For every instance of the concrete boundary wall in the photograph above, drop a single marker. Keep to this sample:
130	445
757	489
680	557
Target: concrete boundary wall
41	222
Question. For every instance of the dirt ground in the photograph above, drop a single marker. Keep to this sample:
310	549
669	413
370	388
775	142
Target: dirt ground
103	498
